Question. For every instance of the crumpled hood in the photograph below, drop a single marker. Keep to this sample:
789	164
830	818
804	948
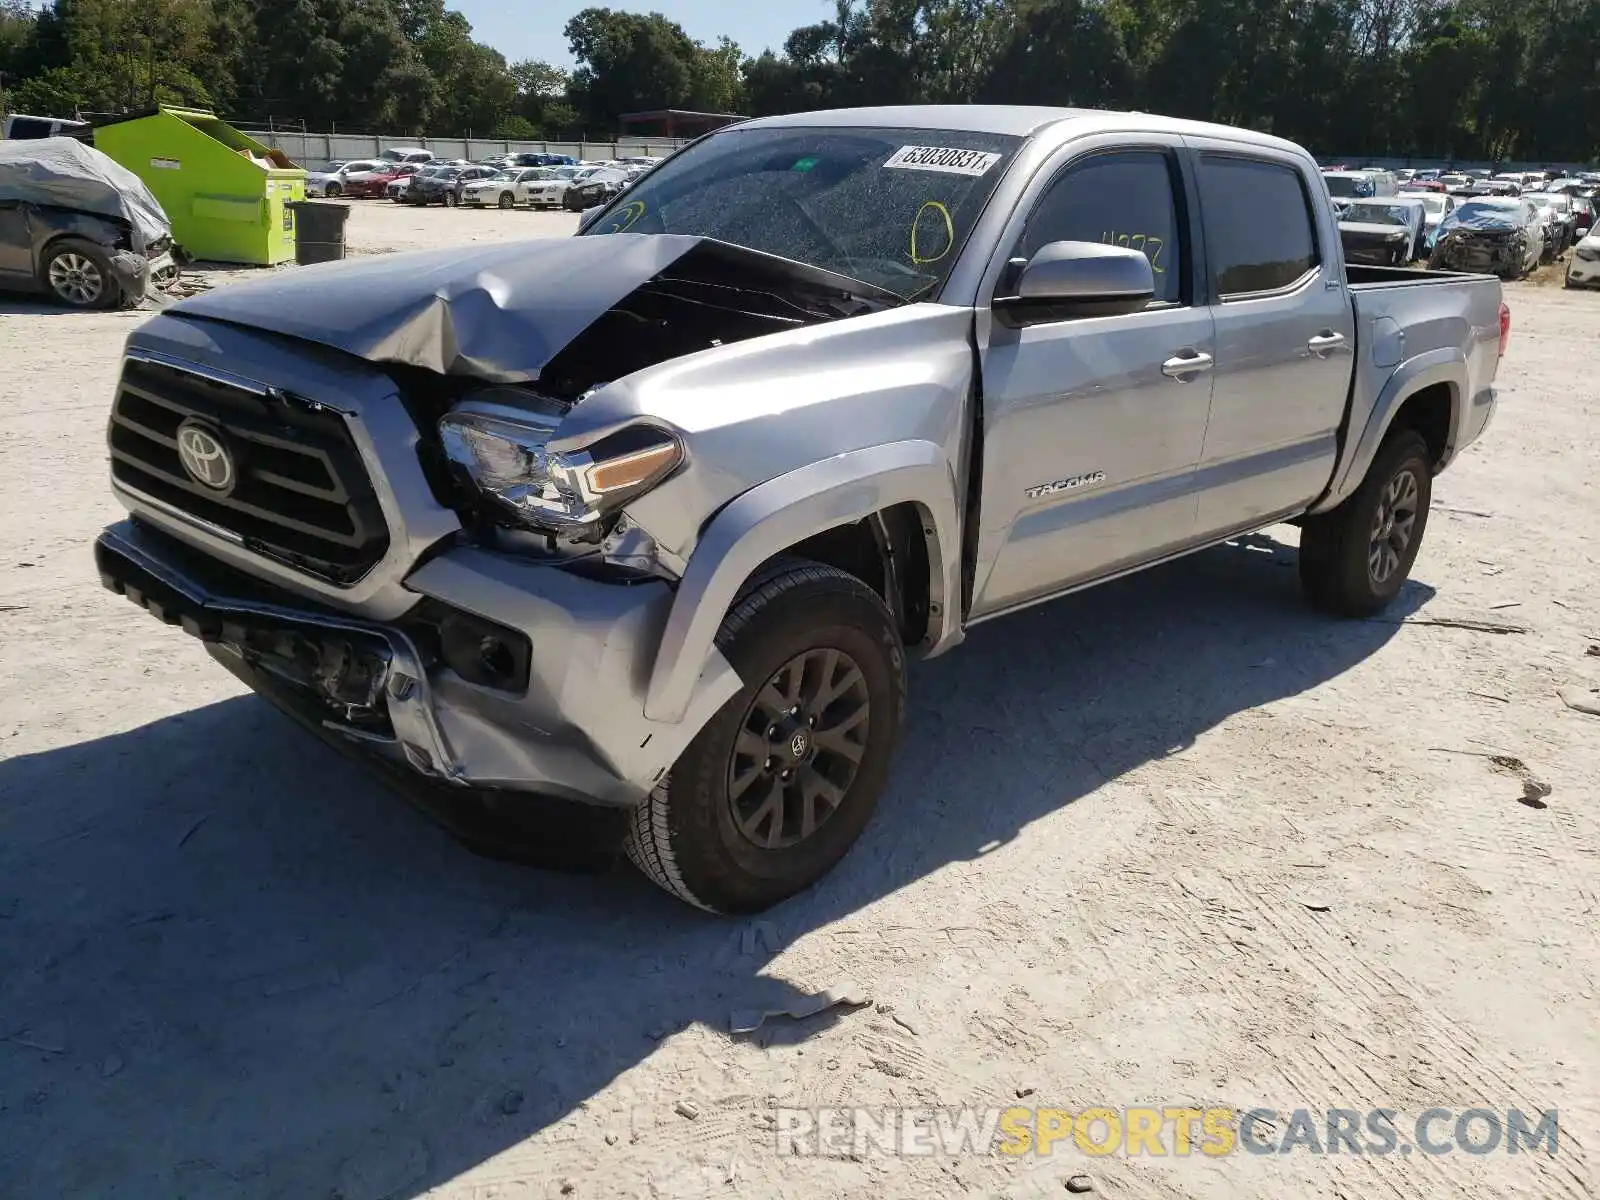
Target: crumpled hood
498	312
1486	222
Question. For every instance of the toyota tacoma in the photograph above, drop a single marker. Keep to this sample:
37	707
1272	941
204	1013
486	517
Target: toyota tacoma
653	518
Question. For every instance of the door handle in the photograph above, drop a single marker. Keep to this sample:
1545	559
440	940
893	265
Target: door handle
1186	363
1325	342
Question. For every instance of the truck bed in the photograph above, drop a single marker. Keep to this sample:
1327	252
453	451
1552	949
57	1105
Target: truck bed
1416	327
1365	278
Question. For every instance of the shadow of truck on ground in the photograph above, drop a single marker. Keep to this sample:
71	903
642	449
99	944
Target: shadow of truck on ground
224	947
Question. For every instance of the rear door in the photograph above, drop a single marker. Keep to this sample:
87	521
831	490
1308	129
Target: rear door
1285	335
1092	426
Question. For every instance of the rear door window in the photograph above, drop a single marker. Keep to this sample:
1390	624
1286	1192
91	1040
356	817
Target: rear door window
1259	231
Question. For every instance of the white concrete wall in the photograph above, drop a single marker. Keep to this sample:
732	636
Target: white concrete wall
309	149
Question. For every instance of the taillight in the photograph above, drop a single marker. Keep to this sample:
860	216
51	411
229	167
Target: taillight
1505	327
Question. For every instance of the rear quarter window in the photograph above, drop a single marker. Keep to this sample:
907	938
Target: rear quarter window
1260	236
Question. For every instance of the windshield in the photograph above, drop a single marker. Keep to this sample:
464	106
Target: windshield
890	207
1378	214
1348	185
1561	204
1433	203
1472	212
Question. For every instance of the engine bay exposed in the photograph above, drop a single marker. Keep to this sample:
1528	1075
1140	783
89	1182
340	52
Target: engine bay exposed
714	295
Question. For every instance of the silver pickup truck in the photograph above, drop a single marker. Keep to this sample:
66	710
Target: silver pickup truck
654	517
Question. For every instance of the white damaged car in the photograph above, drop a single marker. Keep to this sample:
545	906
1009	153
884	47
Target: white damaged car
1584	269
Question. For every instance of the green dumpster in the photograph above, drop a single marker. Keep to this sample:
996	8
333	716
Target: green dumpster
226	194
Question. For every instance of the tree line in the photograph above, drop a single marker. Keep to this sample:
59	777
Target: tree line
1467	79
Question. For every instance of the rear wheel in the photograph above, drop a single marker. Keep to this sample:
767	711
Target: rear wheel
78	273
1355	559
775	789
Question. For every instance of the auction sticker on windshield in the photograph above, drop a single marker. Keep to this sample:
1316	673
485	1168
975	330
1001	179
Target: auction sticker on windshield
943	159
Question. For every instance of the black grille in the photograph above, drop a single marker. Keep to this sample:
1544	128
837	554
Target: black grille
301	494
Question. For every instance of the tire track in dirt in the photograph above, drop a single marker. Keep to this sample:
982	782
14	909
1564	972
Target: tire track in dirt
1467	1069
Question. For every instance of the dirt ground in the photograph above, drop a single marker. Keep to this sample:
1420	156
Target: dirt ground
1175	841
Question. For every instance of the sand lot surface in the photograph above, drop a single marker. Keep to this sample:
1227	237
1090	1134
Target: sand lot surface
1176	841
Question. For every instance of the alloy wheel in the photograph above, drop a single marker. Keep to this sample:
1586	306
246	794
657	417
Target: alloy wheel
1392	526
799	748
76	279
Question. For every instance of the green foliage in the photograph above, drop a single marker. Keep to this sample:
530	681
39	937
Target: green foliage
1437	78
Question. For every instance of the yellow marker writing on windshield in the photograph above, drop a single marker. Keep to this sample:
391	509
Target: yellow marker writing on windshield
626	217
949	233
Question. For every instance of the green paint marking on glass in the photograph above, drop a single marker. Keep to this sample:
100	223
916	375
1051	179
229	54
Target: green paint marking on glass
804	164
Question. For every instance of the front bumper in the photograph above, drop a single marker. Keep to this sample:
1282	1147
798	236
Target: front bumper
1583	272
577	732
1497	254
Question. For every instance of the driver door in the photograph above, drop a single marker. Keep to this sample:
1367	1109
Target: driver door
1092	427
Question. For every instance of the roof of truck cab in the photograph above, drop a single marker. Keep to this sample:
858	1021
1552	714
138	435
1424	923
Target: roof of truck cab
1011	120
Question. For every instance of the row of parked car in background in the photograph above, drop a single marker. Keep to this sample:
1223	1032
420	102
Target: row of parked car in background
535	180
1505	224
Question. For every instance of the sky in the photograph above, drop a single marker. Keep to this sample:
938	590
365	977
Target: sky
534	30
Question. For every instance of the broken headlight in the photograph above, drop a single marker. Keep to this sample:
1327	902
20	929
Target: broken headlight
501	450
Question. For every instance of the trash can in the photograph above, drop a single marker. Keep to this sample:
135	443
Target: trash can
224	192
319	230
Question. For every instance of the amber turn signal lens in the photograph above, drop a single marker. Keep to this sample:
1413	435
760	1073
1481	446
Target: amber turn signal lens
632	470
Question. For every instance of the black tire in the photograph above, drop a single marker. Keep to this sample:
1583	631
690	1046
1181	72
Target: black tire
686	836
77	273
450	200
507	200
1337	548
333	191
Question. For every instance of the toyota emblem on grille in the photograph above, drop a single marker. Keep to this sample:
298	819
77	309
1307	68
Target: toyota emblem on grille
204	457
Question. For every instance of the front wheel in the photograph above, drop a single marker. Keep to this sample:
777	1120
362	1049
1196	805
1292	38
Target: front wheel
333	191
450	200
775	789
78	273
1354	559
507	200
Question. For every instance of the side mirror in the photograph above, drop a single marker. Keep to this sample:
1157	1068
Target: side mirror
1064	280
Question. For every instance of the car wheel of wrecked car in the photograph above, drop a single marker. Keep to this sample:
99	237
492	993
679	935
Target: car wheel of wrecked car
78	273
1354	559
333	191
774	790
